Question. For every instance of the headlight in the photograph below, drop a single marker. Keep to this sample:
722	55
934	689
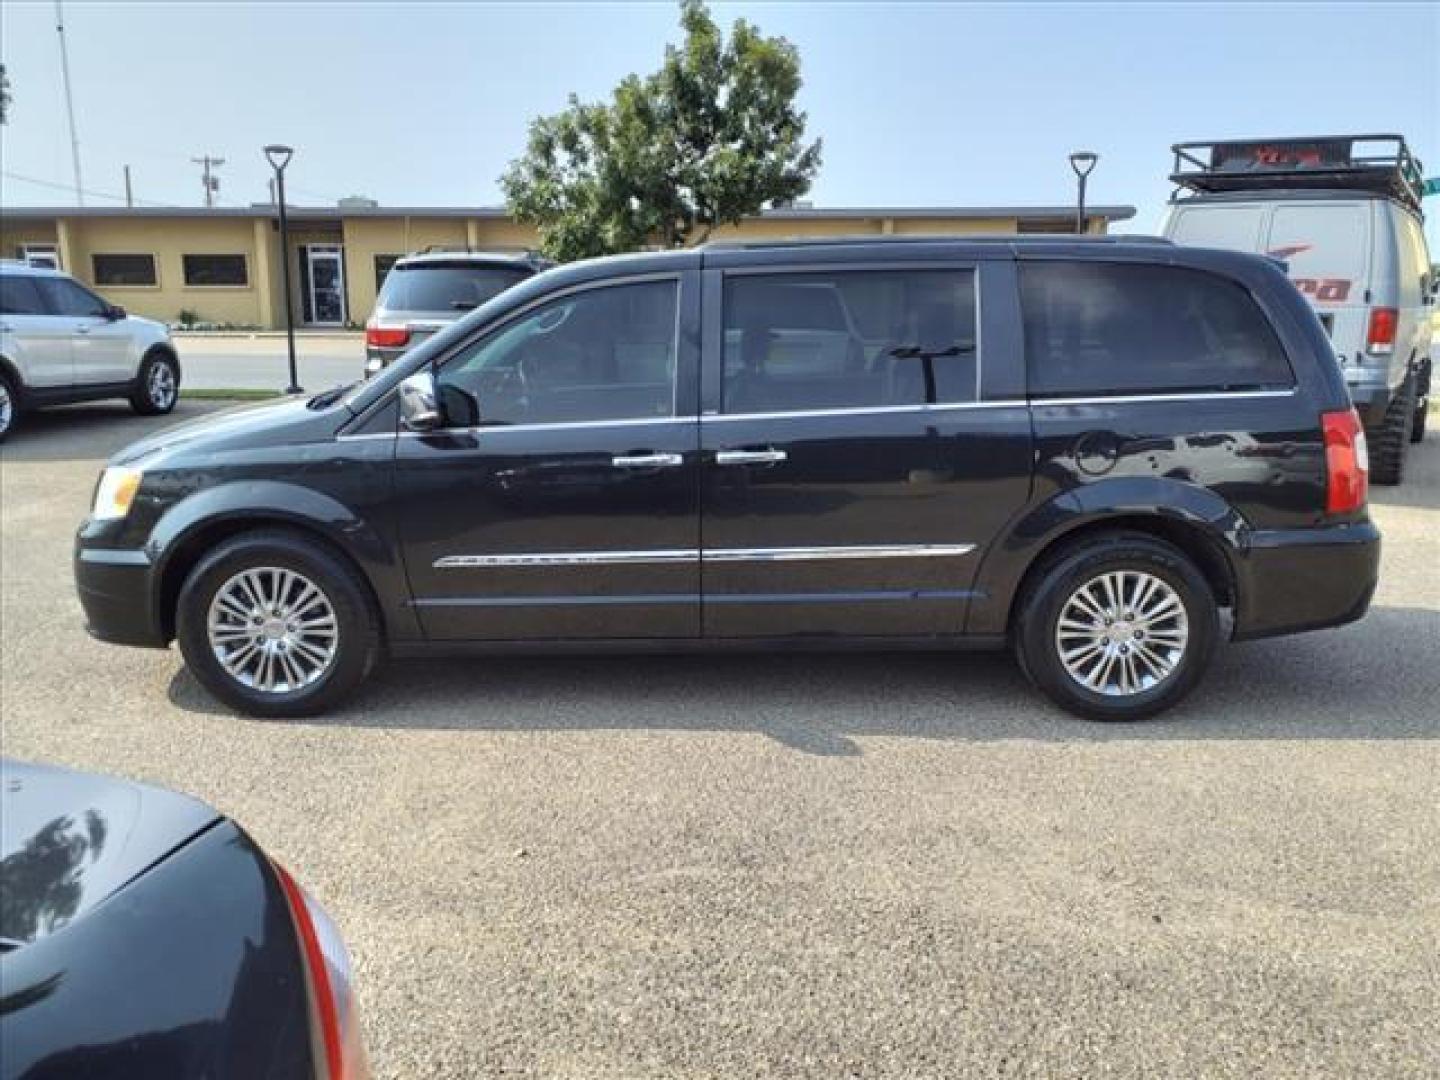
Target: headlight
118	486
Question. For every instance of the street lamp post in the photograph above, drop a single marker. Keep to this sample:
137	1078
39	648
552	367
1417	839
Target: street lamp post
1082	161
279	157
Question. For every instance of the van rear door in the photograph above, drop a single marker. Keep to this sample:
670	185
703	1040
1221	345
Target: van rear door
1327	249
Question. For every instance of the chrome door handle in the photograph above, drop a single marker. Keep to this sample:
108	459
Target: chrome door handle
750	457
647	461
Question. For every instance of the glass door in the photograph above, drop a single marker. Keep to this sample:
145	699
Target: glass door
326	263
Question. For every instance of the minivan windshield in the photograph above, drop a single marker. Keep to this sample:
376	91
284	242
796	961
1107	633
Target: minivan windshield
446	286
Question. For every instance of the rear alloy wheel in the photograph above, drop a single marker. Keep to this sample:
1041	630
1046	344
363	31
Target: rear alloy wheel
1119	628
1391	443
9	407
274	624
157	387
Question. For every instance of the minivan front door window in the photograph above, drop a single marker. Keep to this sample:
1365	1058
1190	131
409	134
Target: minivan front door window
599	354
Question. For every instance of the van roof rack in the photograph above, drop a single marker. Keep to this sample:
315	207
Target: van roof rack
1377	164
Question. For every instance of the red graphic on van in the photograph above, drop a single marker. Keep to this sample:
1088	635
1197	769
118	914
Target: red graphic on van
1324	290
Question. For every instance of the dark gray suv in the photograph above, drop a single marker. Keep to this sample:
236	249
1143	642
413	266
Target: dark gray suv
426	292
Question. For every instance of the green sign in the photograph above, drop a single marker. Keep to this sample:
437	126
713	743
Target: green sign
1432	186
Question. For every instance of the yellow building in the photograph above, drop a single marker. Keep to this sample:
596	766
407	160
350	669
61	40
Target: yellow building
222	266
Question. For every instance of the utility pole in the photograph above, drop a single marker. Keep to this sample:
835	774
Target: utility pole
69	104
129	195
212	183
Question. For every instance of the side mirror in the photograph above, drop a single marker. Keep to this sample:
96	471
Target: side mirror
115	313
419	402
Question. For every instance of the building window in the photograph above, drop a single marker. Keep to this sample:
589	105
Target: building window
383	265
215	270
124	269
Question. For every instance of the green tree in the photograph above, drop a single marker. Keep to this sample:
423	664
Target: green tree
712	136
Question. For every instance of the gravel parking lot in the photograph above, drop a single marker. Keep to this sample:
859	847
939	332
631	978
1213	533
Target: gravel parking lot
813	866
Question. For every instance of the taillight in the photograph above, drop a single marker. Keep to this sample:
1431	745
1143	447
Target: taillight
1380	337
1347	462
386	337
331	985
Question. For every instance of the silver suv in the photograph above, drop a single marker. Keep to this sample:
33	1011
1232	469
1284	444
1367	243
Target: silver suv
426	292
60	343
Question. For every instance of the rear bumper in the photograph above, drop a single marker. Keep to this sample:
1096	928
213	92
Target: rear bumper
1371	402
377	358
1291	580
116	588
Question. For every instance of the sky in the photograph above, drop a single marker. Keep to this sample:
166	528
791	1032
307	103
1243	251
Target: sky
917	104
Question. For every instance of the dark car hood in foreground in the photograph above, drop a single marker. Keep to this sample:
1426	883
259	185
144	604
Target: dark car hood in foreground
288	419
68	840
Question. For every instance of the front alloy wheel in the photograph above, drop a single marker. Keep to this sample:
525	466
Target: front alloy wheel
277	623
274	630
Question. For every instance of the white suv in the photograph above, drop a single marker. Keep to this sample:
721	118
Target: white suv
60	343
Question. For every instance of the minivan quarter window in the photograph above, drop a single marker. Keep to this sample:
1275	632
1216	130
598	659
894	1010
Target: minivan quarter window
849	339
605	353
1095	329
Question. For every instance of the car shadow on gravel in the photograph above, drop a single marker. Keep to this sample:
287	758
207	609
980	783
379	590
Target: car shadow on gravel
1378	679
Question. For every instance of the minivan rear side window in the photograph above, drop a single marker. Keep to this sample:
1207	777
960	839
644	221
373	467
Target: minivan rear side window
1105	329
848	339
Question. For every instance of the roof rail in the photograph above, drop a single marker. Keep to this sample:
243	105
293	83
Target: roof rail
488	249
1382	166
932	238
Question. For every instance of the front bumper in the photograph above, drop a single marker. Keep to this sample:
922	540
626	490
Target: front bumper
1292	580
117	589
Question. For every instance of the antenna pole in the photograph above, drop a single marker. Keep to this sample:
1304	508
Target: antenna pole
69	104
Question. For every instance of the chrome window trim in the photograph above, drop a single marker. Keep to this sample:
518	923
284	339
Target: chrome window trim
865	410
1129	399
687	555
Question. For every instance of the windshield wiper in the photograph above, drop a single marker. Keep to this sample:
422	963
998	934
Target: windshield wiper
326	398
464	305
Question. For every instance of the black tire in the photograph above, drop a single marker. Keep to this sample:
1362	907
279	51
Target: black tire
9	404
1391	442
357	646
152	398
1060	577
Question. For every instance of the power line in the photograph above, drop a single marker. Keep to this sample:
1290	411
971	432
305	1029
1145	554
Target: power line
70	187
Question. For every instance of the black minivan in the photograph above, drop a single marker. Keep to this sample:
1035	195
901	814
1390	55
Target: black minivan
1086	448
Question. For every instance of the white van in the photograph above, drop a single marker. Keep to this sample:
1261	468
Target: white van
1343	214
